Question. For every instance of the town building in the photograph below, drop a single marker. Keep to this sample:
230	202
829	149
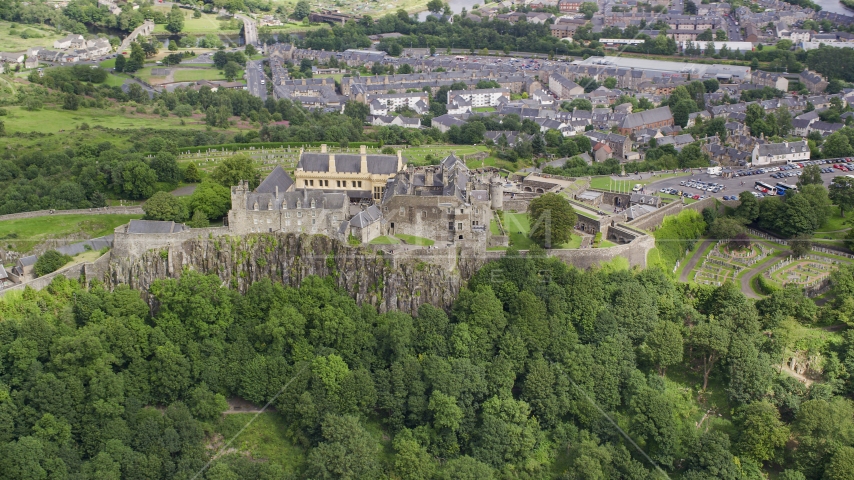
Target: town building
785	152
655	118
385	104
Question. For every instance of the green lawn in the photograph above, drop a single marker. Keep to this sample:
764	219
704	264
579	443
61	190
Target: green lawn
483	109
263	440
493	227
836	227
626	184
108	63
384	240
194	74
207	23
25	233
334	76
114	80
413	240
606	244
52	120
518	226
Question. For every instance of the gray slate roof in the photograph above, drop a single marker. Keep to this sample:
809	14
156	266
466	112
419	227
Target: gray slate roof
154	226
297	199
348	163
366	217
635	120
277	178
80	247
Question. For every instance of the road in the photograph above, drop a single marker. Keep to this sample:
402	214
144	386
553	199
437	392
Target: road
250	29
732	30
733	186
254	76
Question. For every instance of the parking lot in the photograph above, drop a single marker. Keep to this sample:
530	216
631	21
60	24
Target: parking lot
698	184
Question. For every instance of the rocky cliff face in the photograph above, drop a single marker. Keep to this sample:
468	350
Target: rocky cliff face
400	281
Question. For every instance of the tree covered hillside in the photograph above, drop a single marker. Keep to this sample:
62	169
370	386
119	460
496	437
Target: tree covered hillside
539	370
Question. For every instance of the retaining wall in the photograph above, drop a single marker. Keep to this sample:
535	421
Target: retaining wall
79	211
651	221
635	252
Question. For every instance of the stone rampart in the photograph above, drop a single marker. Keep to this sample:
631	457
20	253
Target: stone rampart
651	221
89	271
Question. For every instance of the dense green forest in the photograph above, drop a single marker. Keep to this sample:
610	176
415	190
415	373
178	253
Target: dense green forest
539	370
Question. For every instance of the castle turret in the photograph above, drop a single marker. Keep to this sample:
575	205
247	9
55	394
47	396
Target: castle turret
496	196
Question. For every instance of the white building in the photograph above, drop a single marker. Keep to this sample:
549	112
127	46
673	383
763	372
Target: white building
70	41
731	46
780	152
384	104
479	98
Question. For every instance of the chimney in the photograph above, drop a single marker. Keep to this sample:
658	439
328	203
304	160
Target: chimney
332	163
428	177
399	160
277	192
323	148
363	150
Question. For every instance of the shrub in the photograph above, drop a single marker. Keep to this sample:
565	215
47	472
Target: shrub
50	262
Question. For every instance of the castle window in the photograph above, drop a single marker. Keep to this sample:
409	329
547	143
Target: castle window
299	203
403	210
313	221
255	221
287	223
311	182
313	203
326	183
314	213
299	214
334	218
255	206
299	223
269	221
287	214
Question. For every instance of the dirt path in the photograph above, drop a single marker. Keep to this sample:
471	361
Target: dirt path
239	405
695	258
745	280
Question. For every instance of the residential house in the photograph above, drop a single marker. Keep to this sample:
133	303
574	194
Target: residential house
563	87
814	82
780	152
398	121
70	41
768	79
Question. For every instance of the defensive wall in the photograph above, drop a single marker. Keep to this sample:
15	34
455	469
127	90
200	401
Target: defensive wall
652	220
88	271
635	252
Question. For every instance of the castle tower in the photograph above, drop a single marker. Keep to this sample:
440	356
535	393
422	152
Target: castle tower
496	196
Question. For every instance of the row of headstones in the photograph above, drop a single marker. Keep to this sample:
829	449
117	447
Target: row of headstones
832	252
766	236
779	265
722	263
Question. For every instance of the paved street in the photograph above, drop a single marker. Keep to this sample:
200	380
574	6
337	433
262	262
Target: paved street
254	76
733	186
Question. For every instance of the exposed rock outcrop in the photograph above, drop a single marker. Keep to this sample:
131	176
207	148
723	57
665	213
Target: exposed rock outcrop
402	280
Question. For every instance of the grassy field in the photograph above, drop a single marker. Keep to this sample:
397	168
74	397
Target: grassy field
52	120
263	439
114	80
384	240
413	240
483	109
625	184
194	74
207	23
11	41
334	76
836	227
418	156
25	233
